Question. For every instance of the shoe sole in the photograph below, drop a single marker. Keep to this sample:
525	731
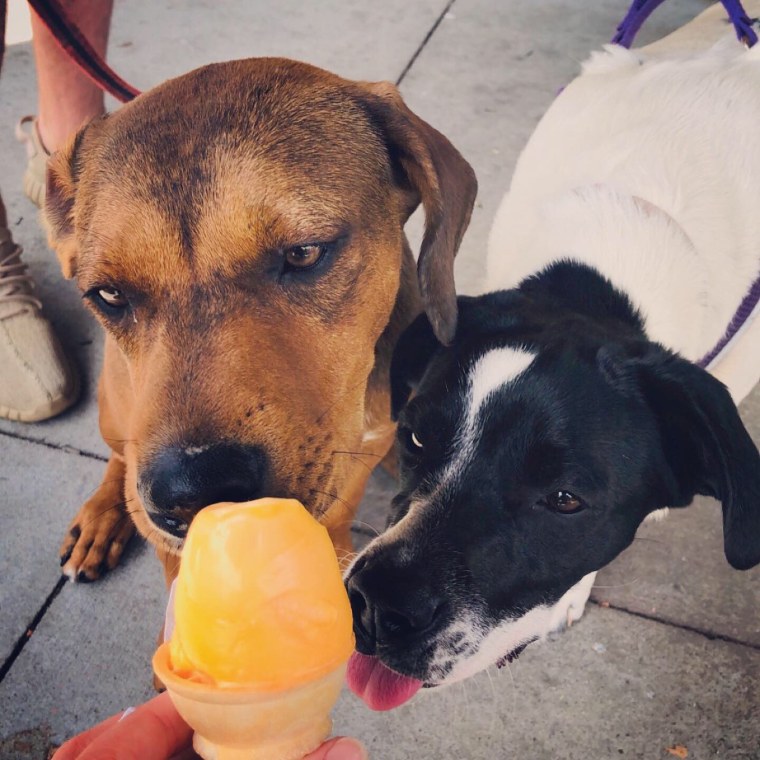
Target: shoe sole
46	411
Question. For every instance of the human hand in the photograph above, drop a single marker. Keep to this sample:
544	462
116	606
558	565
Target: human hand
155	731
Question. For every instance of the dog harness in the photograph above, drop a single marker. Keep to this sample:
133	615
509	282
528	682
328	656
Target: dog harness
640	11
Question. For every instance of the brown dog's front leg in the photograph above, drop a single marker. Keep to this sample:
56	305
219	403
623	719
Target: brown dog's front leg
170	562
98	534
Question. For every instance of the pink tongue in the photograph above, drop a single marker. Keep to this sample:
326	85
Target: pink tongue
379	686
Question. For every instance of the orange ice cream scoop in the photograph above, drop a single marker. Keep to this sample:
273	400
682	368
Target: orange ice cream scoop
259	601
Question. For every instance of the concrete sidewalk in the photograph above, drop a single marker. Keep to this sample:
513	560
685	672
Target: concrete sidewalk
669	654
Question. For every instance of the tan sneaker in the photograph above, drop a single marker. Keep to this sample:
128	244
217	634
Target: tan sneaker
36	380
37	155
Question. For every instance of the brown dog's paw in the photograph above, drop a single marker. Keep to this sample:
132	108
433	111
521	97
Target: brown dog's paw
95	541
98	535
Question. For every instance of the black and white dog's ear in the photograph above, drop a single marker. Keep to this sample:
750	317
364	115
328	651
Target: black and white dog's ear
705	442
413	352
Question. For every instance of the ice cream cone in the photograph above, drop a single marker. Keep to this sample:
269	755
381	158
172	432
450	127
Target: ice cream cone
246	724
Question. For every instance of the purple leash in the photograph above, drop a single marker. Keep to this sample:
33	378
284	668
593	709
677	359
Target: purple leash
640	11
741	315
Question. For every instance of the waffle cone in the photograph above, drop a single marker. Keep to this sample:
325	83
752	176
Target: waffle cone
232	724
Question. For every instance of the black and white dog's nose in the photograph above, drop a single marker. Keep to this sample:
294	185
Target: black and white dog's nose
390	604
183	480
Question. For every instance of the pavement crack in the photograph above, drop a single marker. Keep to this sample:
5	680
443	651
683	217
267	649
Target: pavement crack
424	42
31	628
55	446
711	635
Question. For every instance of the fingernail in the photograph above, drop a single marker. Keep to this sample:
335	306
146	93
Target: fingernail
346	749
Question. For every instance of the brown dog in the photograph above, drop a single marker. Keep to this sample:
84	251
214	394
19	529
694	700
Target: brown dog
238	231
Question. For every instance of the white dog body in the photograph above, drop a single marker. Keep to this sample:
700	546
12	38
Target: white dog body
647	167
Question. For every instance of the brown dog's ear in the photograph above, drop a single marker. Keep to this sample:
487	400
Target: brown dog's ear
432	172
63	172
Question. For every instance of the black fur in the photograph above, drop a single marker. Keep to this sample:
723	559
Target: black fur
602	412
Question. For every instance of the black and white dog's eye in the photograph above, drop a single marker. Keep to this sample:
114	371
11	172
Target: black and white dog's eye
410	440
563	502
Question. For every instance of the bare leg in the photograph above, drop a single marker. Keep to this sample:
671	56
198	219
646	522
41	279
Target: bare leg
67	98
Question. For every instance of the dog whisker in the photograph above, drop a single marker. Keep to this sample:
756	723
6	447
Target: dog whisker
337	401
493	728
360	453
596	587
101	484
366	525
117	505
651	540
334	496
343	554
514	688
355	458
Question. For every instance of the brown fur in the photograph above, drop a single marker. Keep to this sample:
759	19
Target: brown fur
185	200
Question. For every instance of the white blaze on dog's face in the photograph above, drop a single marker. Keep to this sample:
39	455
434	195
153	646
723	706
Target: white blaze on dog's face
532	450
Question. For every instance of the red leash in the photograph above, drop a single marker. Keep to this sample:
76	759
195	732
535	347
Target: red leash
76	46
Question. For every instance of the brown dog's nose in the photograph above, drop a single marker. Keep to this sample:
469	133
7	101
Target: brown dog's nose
193	477
390	603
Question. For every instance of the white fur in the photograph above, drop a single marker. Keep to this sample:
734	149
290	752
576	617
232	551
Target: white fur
493	370
192	451
510	634
647	167
490	372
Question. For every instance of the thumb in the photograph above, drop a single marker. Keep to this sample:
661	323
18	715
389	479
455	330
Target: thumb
340	748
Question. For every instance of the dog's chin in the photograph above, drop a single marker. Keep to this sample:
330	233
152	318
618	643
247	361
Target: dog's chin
167	538
500	647
470	644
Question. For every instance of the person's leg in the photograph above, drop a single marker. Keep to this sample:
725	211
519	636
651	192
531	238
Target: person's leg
36	379
67	98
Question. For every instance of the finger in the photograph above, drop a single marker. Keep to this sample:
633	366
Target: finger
340	748
76	745
154	731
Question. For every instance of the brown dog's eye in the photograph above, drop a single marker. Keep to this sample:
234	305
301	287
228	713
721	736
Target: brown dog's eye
564	502
304	256
110	301
112	297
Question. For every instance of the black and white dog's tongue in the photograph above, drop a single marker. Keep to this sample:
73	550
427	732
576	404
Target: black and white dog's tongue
380	687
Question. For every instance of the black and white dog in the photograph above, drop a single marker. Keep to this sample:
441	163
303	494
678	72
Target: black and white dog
570	405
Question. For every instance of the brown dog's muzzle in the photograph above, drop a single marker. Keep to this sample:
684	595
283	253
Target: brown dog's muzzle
179	481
